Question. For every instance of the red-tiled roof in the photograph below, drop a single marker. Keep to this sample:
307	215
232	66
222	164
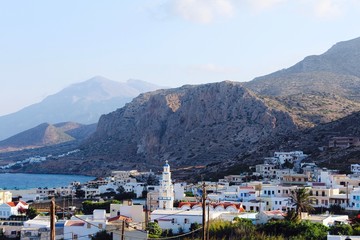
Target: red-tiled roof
244	187
121	218
74	223
237	206
11	204
275	212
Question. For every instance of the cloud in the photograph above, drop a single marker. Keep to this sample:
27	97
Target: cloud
203	11
264	4
328	8
209	11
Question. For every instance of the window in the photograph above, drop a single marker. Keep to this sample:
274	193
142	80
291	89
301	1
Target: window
173	220
88	225
186	220
100	226
75	236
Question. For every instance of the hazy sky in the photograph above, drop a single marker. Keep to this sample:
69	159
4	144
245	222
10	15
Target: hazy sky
48	45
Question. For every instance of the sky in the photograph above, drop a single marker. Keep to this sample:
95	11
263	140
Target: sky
46	46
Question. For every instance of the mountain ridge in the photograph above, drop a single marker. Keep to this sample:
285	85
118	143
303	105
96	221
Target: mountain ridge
335	71
82	102
46	134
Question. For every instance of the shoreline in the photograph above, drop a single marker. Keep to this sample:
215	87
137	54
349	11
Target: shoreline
30	181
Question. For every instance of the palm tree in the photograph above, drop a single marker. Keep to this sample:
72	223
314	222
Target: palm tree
301	199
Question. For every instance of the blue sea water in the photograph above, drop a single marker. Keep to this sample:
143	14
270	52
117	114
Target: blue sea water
28	181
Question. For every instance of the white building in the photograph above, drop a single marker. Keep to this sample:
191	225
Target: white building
85	226
166	191
355	168
179	219
354	199
37	228
265	170
5	196
179	191
12	208
280	158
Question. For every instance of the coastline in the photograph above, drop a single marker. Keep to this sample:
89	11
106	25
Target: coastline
29	181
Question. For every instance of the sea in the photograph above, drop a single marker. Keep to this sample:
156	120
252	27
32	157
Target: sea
20	181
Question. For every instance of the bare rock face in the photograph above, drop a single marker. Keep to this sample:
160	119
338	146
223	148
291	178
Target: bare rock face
191	125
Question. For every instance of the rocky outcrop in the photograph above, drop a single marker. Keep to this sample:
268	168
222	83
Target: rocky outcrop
191	125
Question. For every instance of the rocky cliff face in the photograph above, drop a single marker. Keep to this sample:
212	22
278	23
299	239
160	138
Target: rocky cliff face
191	125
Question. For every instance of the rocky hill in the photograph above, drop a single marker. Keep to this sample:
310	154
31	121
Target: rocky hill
334	72
82	102
191	125
46	135
205	130
221	128
314	108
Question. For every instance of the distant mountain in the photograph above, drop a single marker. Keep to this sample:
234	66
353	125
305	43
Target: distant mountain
83	102
336	72
46	135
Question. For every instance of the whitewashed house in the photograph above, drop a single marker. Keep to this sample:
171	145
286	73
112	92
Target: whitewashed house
5	196
12	208
85	226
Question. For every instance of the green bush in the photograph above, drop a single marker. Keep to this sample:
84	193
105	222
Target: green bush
154	230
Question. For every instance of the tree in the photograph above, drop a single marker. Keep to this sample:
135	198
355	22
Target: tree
301	199
31	212
89	206
291	215
125	196
292	230
341	229
80	193
195	226
154	230
102	235
120	190
336	209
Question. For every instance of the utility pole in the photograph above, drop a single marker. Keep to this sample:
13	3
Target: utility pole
52	219
146	209
63	208
347	194
203	211
123	230
208	222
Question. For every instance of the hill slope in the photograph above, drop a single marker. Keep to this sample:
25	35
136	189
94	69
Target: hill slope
45	135
82	102
191	125
335	72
